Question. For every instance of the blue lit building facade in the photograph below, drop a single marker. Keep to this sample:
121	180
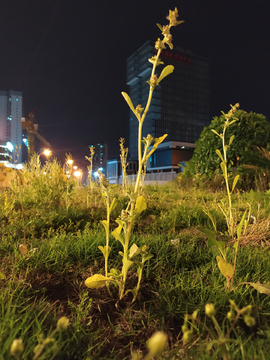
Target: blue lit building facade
10	126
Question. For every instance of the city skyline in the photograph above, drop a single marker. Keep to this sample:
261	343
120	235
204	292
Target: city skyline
69	60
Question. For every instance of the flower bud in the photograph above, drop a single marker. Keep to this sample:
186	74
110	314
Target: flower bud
16	348
62	323
210	310
157	343
249	320
187	336
194	315
139	109
230	315
145	248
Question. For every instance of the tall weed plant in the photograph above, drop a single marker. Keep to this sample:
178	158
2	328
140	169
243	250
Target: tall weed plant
137	203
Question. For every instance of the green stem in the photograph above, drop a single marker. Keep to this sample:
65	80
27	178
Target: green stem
230	224
216	326
107	234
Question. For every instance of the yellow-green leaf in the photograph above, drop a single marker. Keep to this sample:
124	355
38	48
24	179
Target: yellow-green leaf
157	142
231	139
223	168
116	234
113	204
240	225
96	281
2	276
225	268
105	224
262	288
128	100
129	263
105	250
165	72
214	131
219	154
160	27
235	182
140	205
134	250
23	249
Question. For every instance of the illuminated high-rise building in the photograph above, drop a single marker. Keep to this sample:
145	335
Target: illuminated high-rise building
100	157
180	104
10	125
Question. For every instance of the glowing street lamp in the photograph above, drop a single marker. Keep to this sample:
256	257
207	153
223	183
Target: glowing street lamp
78	175
68	166
47	152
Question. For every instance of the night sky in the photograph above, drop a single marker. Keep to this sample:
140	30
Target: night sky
68	57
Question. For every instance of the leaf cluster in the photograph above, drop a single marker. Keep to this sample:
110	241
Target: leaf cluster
250	132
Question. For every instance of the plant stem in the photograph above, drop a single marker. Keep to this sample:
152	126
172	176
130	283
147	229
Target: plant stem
230	224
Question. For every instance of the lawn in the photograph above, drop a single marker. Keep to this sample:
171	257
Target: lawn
62	231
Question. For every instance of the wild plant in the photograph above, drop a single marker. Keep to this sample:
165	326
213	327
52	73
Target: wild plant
227	210
124	164
90	167
137	203
220	337
17	346
227	269
70	183
110	205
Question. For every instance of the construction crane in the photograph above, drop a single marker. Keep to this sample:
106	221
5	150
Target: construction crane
32	132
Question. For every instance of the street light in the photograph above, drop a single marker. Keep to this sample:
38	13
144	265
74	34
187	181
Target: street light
47	152
68	166
78	175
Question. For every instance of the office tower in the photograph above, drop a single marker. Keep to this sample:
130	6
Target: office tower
180	104
10	122
100	157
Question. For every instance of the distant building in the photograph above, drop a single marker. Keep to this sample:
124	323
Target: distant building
100	157
114	170
180	104
168	155
10	125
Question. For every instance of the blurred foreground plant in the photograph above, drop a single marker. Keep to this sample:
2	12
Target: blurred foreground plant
155	345
220	338
137	203
17	346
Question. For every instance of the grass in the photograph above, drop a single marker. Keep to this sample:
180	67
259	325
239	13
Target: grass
181	277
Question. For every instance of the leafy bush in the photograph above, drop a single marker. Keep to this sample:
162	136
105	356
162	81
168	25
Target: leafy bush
251	131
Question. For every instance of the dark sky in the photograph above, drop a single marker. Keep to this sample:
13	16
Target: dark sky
68	57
